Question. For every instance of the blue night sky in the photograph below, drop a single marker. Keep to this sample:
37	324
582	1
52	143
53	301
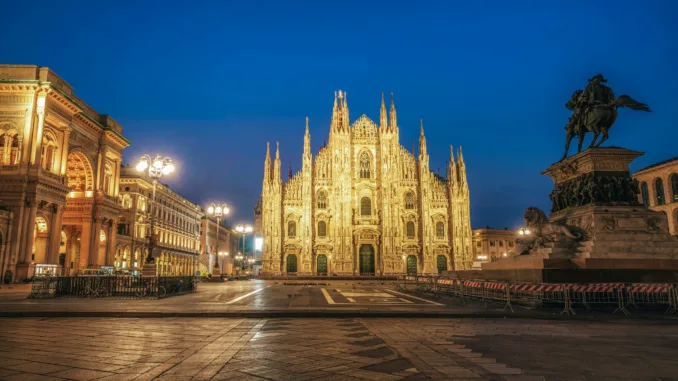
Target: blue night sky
209	84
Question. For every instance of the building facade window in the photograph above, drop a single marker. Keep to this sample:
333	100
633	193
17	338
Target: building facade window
365	165
365	206
440	229
409	200
291	229
409	229
659	190
322	229
674	186
491	242
322	200
645	194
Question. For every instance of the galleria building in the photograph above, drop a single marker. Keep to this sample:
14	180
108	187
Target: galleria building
365	205
67	204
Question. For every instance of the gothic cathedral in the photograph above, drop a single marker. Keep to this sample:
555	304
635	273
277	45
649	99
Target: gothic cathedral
365	205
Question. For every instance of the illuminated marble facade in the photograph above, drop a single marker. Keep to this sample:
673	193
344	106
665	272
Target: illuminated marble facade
365	205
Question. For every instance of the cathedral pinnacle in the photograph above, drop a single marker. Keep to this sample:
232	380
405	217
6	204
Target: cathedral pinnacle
394	119
277	150
306	125
383	122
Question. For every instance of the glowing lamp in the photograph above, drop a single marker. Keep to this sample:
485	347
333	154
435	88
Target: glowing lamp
142	165
210	210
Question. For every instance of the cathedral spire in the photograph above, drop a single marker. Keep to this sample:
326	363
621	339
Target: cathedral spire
267	163
383	122
289	171
422	139
345	112
452	168
276	165
394	121
307	142
462	168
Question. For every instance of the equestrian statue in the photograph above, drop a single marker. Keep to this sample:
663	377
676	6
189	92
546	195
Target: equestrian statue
594	110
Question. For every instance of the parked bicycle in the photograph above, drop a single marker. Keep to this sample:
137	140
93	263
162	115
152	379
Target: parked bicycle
96	292
147	291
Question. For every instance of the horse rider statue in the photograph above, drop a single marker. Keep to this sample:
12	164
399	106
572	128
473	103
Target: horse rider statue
594	110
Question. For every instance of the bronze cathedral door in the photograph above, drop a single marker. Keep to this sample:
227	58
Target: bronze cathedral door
367	260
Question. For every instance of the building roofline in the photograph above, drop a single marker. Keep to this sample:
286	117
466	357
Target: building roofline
656	165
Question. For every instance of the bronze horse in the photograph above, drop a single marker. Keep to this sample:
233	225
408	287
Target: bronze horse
596	119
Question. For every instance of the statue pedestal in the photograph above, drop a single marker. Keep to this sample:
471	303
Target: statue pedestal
596	199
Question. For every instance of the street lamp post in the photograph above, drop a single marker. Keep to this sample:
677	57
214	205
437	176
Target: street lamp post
238	258
224	254
244	229
217	211
155	169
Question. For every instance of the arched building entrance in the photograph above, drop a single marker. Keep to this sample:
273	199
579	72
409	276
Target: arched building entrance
321	266
411	265
291	264
366	259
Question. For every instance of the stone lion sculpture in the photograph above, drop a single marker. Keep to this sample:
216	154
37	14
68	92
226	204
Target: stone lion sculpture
542	231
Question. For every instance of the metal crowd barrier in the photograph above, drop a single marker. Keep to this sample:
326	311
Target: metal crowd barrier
619	297
112	286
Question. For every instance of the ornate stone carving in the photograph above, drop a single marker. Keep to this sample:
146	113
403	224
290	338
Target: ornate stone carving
543	232
593	188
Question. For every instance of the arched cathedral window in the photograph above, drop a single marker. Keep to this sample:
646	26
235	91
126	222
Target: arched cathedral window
291	229
365	206
440	229
659	190
409	229
409	200
365	165
322	200
322	229
646	194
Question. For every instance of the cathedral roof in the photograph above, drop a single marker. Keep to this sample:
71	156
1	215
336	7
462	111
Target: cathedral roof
364	127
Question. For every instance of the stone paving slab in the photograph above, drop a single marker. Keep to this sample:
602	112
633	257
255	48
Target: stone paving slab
328	349
270	299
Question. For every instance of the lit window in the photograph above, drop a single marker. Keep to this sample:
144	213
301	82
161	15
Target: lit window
659	190
440	229
409	229
322	200
409	200
365	165
365	206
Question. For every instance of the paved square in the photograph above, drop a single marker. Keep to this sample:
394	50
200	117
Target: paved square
335	349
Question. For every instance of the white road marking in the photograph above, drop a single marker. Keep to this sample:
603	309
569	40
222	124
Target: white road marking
414	297
246	295
373	294
351	300
327	296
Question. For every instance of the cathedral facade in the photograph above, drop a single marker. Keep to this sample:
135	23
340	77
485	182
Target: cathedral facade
365	205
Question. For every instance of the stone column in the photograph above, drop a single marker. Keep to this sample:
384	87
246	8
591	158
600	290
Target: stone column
356	260
64	152
94	243
55	235
24	146
36	153
101	167
112	234
29	227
